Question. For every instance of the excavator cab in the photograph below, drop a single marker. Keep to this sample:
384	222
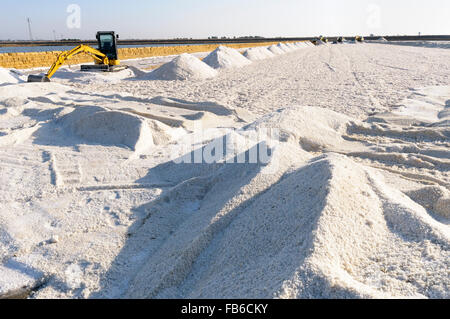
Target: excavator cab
107	44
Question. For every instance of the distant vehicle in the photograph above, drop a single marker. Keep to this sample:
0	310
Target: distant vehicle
320	40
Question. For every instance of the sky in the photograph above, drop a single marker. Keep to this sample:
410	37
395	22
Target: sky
162	19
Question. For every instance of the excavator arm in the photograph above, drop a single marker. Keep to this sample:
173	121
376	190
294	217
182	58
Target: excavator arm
96	54
63	57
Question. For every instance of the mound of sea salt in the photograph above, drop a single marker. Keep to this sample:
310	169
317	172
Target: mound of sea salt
258	53
224	57
183	67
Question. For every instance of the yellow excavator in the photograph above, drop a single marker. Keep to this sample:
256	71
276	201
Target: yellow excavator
106	57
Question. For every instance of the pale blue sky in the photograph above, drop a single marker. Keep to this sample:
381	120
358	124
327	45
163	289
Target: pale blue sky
203	18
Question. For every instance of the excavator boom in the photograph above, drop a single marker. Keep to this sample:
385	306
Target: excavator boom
96	54
63	57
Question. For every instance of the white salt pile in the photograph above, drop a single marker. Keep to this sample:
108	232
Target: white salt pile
258	53
7	76
77	76
427	105
12	106
284	47
183	67
435	198
292	46
322	226
99	125
304	44
325	133
275	49
224	57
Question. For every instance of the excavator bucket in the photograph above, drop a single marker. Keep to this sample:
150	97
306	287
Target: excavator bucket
38	78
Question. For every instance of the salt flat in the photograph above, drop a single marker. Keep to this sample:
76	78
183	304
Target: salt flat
108	189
